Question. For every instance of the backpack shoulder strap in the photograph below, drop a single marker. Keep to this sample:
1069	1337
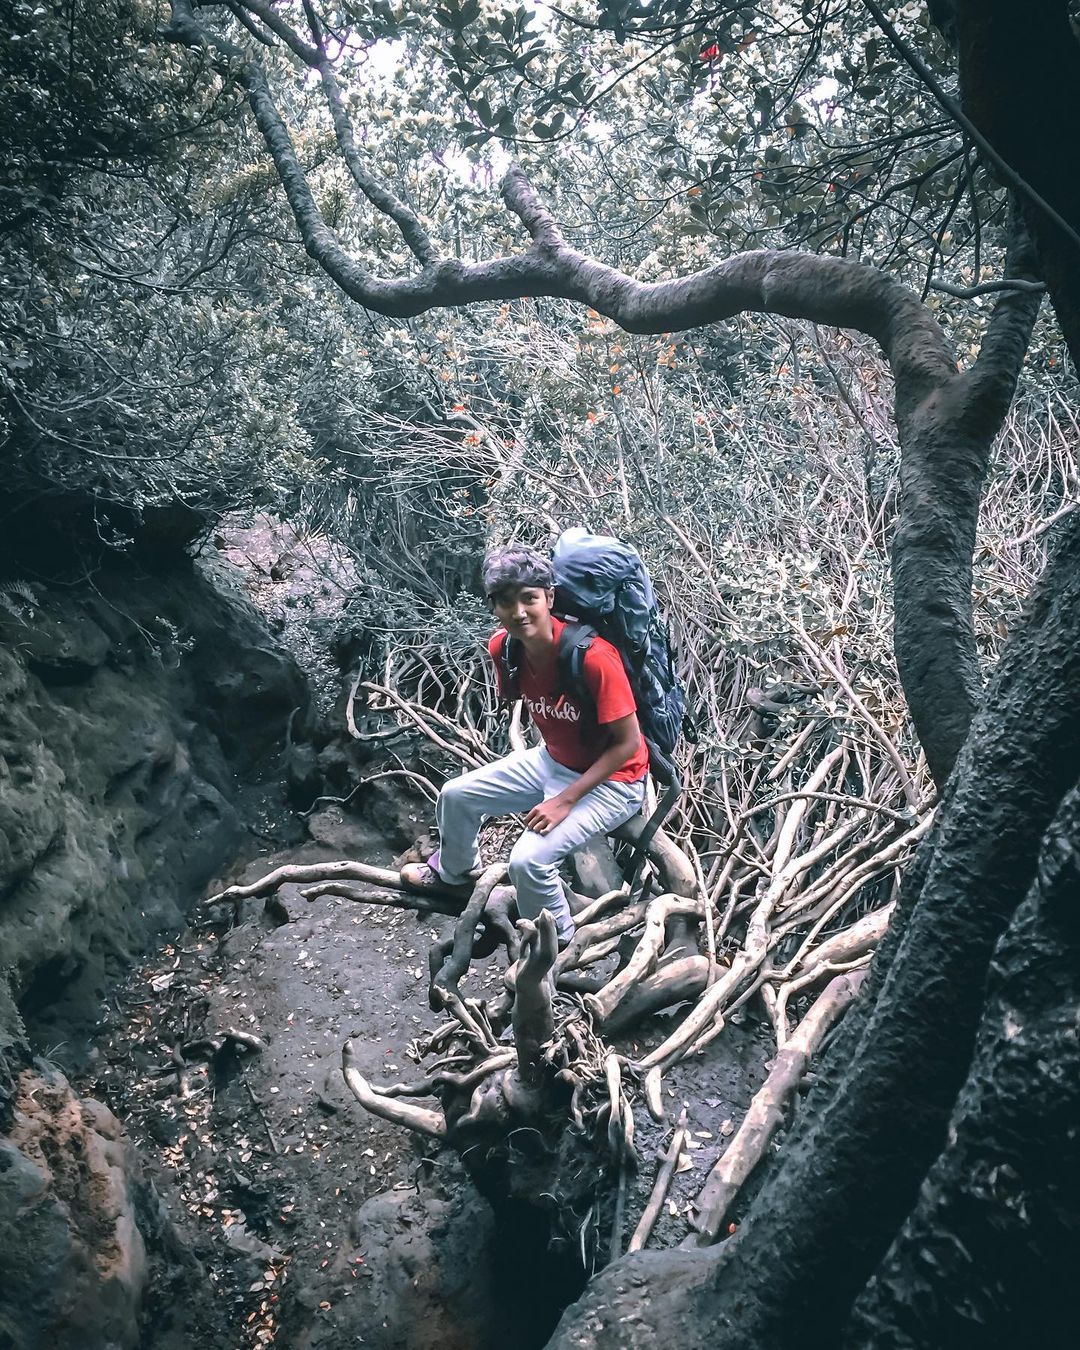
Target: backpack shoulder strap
574	641
510	667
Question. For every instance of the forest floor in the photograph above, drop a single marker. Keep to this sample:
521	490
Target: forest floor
317	1225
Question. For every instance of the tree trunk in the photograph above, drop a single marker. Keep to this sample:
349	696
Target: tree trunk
1020	82
987	1253
828	1215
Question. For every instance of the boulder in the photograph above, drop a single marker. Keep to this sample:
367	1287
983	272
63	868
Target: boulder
59	642
427	1281
73	1265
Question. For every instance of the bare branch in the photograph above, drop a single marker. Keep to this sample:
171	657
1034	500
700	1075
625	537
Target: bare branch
988	288
664	1173
419	1118
277	25
403	216
766	1112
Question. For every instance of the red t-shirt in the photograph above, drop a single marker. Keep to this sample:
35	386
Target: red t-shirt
558	717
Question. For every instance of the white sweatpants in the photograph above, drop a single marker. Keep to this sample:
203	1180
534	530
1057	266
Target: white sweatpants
518	783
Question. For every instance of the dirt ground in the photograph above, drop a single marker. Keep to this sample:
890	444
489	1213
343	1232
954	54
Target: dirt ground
316	1225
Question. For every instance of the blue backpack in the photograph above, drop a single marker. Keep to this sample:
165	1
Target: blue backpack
602	587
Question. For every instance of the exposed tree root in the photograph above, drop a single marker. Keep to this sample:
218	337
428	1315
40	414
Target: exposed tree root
310	872
680	982
766	1113
418	1118
798	893
646	955
664	1173
363	894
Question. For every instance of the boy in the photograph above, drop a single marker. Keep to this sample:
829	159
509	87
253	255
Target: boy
587	778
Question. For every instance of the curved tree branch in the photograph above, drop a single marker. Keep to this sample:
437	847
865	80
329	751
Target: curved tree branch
946	420
403	216
987	288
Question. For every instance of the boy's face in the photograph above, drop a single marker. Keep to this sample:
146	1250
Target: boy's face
524	611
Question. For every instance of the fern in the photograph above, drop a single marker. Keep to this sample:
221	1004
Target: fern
11	592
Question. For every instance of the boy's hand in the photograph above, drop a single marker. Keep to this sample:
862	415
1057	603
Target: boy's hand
547	815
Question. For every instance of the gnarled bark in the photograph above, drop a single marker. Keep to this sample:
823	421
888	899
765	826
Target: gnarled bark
990	1246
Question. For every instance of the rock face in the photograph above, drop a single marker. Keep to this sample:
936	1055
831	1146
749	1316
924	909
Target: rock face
136	711
427	1288
73	1264
131	714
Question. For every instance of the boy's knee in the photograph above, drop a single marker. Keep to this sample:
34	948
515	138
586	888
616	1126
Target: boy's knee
518	870
454	789
528	857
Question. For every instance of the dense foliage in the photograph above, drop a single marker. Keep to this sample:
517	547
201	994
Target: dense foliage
167	344
164	342
144	359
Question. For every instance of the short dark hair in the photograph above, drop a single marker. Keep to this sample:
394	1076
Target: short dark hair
512	566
